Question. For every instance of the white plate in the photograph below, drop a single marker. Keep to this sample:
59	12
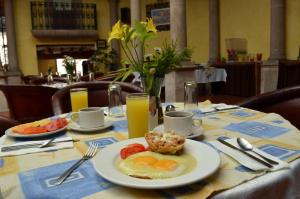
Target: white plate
75	127
208	161
197	131
10	133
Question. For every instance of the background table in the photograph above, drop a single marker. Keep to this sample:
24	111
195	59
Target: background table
33	175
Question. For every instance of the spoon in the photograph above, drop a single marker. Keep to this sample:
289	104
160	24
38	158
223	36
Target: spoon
170	107
245	145
47	143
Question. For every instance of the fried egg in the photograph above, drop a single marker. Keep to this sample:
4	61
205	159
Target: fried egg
156	166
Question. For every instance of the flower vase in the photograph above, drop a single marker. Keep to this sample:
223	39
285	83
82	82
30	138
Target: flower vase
69	78
152	86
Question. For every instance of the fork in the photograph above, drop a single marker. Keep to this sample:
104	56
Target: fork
91	152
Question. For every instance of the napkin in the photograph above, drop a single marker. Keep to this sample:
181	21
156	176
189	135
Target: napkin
217	107
58	143
248	161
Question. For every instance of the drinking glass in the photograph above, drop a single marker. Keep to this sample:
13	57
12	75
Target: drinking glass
259	57
137	114
91	76
50	79
190	96
79	98
115	107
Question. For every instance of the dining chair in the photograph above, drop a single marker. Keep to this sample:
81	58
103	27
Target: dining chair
285	102
6	123
28	103
97	95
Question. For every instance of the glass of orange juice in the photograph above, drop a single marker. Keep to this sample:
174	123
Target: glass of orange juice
79	98
137	114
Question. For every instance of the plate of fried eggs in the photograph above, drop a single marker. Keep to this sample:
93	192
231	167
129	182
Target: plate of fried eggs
152	170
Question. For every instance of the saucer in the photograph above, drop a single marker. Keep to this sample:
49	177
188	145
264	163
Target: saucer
197	131
75	127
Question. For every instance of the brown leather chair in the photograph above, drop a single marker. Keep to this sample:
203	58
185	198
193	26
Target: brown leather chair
97	95
6	123
28	103
285	102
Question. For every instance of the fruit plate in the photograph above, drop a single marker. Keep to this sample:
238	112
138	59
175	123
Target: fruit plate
208	162
10	133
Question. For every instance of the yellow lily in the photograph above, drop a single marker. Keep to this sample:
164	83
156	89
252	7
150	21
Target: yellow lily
150	27
116	32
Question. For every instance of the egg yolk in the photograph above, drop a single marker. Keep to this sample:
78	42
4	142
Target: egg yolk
168	165
145	161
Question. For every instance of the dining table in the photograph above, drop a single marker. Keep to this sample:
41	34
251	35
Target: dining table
33	175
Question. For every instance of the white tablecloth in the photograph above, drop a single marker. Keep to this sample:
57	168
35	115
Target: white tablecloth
207	75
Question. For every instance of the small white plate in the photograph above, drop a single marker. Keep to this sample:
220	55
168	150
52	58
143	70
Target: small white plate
10	133
208	162
197	131
75	127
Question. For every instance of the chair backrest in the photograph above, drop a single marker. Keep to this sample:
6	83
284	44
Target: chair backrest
28	103
6	123
97	95
285	102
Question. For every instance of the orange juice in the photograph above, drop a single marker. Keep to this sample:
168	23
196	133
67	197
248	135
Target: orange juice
79	99
137	114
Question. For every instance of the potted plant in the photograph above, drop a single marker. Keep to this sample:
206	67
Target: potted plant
151	67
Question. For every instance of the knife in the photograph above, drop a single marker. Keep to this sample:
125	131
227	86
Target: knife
246	153
33	145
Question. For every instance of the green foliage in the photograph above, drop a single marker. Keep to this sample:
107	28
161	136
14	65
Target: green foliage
102	59
69	63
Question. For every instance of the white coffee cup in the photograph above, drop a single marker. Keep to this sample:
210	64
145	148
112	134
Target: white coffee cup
90	117
181	122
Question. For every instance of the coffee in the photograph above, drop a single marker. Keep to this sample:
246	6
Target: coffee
91	117
180	122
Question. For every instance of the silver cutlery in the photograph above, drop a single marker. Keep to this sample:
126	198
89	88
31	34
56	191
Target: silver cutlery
91	152
244	144
246	153
34	145
221	110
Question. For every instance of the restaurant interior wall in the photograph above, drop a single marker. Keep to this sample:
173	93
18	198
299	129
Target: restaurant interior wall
246	19
292	28
238	19
44	64
26	42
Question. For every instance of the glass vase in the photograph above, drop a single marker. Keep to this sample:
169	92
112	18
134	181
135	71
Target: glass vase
152	86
